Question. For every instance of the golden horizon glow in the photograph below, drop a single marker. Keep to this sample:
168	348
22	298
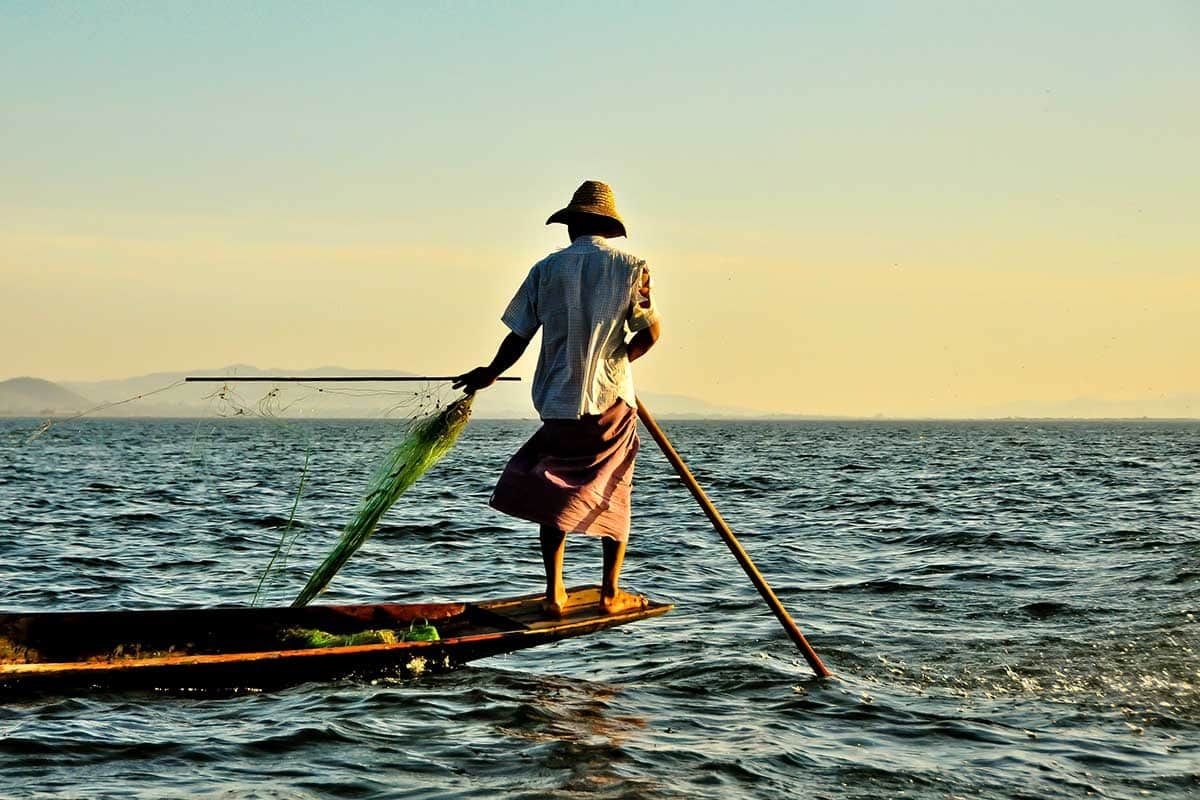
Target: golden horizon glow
990	221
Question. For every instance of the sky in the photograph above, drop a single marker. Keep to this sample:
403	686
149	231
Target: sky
945	209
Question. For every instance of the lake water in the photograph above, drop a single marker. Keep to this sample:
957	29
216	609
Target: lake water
1010	609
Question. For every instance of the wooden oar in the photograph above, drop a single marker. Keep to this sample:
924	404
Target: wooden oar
735	546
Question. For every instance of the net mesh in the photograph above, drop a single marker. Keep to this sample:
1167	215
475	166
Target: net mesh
427	426
427	442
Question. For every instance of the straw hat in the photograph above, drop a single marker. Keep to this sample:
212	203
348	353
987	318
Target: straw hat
592	197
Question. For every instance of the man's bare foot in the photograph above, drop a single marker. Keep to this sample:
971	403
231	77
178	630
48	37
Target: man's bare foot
622	601
555	607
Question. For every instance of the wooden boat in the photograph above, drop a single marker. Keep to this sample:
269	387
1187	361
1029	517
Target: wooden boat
239	647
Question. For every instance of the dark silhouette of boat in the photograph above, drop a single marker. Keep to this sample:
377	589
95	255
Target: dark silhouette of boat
241	647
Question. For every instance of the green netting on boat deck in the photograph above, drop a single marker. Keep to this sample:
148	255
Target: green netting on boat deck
312	637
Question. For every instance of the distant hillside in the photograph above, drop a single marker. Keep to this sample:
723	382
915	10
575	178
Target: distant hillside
21	397
502	401
197	399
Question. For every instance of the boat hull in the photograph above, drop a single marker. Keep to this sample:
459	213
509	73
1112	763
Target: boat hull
237	648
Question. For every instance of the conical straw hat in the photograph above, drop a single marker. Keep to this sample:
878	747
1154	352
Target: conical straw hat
592	197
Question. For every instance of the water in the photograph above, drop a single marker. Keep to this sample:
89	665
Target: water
1009	607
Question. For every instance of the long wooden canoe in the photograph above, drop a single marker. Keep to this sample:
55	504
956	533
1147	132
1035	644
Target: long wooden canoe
239	647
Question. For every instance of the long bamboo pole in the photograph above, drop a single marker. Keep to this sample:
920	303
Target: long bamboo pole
324	378
735	546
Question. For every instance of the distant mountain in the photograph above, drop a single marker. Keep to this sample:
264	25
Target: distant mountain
117	389
163	394
680	406
21	397
505	400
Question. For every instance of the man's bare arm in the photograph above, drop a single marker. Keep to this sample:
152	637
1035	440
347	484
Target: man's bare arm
510	351
642	341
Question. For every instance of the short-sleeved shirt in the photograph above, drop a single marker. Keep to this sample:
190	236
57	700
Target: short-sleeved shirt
586	300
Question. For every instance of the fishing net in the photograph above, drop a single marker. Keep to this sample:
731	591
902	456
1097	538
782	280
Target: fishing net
425	422
433	427
313	637
426	443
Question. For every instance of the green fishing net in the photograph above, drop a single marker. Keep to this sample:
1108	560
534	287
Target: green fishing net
314	638
426	443
433	428
428	427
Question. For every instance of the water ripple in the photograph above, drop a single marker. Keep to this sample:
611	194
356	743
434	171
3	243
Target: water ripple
1010	608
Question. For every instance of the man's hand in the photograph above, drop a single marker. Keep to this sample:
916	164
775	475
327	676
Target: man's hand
476	379
482	377
644	288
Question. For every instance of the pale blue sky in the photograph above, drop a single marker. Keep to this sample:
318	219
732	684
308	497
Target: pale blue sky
163	159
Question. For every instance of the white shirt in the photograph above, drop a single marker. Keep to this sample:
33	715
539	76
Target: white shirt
585	299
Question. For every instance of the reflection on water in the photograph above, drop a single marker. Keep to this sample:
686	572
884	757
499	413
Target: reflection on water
580	731
1010	609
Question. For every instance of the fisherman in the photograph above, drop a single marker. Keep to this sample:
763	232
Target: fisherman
575	474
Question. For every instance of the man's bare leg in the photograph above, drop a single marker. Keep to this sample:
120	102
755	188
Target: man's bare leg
612	599
554	547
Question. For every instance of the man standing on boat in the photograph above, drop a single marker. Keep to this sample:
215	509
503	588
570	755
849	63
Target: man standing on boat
575	475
